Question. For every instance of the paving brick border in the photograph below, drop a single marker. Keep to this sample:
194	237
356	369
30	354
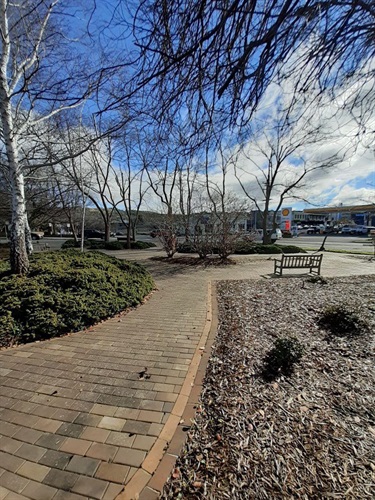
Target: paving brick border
148	482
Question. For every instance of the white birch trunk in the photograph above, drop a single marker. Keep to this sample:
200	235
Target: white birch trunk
19	260
28	239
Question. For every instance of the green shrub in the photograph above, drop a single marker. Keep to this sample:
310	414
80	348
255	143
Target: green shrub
72	244
65	292
96	244
256	248
341	321
248	247
186	247
291	249
110	245
282	358
142	245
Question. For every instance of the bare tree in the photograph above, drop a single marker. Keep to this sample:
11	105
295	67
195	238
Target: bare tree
69	199
219	57
224	207
135	155
274	164
37	81
163	182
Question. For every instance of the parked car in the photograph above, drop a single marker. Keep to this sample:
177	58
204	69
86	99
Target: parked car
94	233
276	235
348	230
295	230
37	235
361	230
313	230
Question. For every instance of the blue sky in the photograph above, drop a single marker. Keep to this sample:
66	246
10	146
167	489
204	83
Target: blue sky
351	181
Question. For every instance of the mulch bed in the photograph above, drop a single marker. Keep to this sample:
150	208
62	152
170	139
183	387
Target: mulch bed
311	435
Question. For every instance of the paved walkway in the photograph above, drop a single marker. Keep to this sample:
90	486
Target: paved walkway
83	415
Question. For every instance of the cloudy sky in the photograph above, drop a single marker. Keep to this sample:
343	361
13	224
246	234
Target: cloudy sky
351	177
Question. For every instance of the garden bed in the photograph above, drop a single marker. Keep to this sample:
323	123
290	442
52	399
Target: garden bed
310	435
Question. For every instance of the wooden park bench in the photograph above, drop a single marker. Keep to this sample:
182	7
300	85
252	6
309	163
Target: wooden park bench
312	262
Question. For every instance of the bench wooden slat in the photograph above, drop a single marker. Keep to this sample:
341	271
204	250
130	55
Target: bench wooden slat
311	262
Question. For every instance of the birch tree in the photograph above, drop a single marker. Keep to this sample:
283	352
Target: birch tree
37	81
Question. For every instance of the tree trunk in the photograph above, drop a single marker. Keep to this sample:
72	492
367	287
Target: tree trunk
133	231
266	235
74	233
19	260
107	229
28	239
128	235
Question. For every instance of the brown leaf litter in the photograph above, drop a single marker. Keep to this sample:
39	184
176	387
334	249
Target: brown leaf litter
308	436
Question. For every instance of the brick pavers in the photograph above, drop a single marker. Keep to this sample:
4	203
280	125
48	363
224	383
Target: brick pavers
84	415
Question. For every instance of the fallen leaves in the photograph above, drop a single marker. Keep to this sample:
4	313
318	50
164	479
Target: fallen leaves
310	436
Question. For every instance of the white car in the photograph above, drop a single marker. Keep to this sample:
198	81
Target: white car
361	229
348	230
276	235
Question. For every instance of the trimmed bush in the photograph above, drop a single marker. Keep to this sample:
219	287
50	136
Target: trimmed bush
142	245
65	292
255	248
340	321
108	245
291	249
247	248
96	244
282	358
72	244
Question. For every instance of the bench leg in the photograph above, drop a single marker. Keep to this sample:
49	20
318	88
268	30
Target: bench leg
278	270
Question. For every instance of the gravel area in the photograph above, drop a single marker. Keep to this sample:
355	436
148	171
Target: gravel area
311	435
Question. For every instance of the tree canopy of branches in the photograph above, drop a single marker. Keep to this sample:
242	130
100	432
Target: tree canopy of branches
218	57
288	143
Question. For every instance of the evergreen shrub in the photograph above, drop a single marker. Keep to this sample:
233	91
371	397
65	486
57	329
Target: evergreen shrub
65	292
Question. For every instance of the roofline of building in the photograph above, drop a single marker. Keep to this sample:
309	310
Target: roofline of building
331	210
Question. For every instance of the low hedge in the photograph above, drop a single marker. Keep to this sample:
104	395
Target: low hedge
248	248
258	248
108	245
65	292
291	249
142	245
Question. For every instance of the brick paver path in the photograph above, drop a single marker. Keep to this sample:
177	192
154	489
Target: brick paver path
80	414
